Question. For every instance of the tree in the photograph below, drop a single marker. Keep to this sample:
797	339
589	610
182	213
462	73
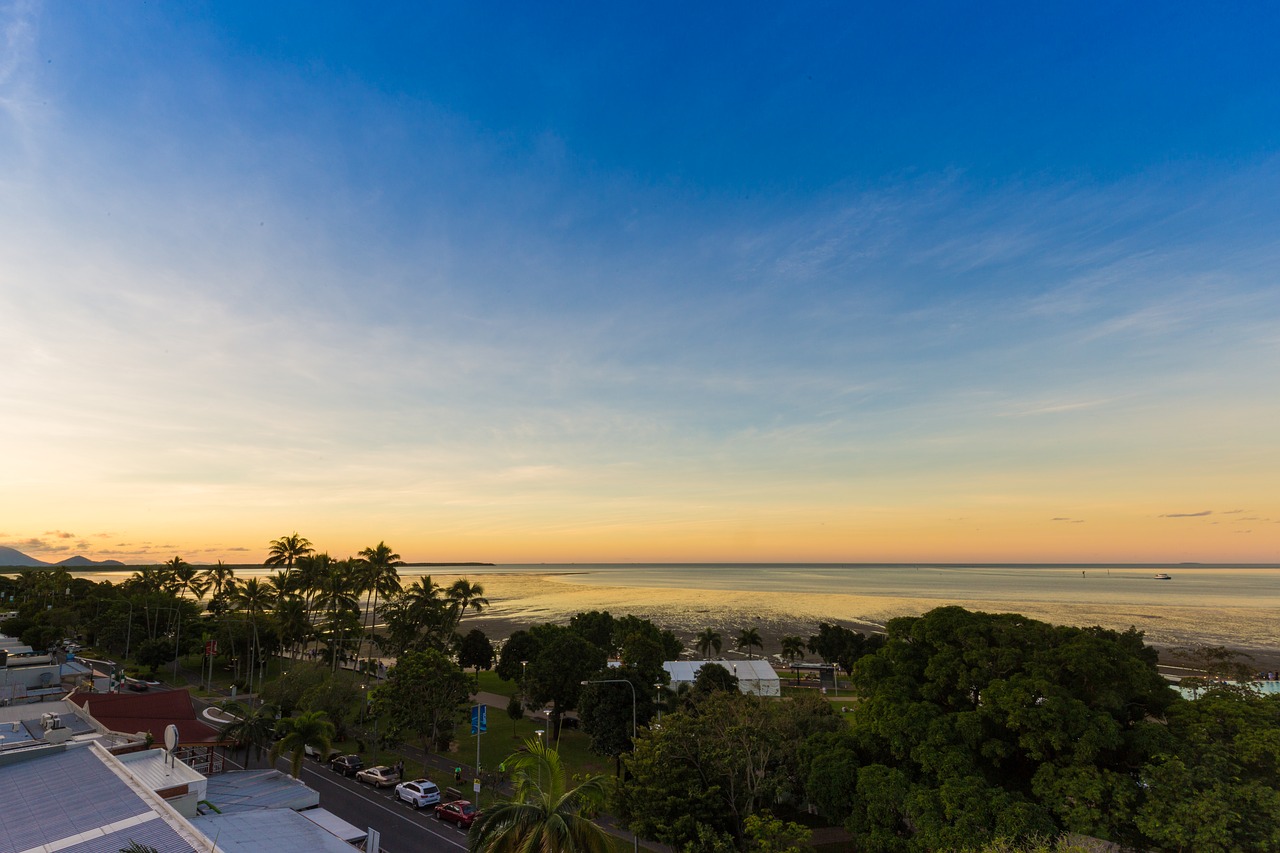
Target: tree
1215	788
717	763
606	710
977	726
310	729
707	640
792	648
286	550
463	595
597	627
545	814
379	577
749	638
520	648
475	650
563	662
425	694
154	653
713	678
836	644
252	729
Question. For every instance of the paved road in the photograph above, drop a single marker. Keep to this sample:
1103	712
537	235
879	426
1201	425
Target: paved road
404	829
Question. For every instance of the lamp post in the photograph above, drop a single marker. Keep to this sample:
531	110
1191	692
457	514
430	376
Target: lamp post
634	838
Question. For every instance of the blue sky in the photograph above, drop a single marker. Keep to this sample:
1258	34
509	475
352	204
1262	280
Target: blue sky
640	282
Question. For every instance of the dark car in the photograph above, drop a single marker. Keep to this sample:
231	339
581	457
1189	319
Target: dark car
347	765
460	812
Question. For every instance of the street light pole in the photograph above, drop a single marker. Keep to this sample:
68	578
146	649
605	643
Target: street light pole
634	838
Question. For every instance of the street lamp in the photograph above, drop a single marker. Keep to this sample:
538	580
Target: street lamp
634	838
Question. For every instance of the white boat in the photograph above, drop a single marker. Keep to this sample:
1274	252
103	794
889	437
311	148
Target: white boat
1161	576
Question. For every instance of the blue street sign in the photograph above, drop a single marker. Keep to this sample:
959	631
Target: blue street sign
479	719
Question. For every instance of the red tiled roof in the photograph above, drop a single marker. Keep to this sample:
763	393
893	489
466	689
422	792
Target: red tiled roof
149	712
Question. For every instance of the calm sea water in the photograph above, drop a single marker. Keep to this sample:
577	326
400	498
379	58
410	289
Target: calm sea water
1191	585
1198	585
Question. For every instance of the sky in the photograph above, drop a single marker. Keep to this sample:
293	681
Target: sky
641	281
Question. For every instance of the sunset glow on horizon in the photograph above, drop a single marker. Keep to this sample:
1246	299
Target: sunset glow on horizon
649	283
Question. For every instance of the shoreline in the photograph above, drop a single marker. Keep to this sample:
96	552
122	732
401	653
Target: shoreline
520	599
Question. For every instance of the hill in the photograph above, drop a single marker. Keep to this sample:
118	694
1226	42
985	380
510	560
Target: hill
14	557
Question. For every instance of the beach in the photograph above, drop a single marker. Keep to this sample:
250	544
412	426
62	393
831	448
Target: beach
519	599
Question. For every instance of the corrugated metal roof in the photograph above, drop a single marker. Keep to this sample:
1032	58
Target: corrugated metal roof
241	790
277	830
37	810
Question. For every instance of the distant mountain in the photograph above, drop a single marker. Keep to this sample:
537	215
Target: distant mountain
14	557
85	561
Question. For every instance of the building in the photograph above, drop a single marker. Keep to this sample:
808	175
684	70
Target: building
756	677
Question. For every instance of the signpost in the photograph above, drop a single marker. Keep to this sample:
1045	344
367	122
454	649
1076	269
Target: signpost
479	725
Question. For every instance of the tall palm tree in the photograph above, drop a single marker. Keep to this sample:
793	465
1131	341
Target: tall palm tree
286	550
792	648
220	577
337	596
708	640
464	594
749	638
255	598
311	728
379	575
248	728
548	817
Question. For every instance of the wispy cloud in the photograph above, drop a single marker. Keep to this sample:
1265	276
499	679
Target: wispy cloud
1200	514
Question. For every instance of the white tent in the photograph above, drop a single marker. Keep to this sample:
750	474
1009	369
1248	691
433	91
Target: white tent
754	676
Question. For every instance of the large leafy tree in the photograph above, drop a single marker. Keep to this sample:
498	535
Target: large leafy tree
836	644
717	762
545	815
974	726
1217	788
475	650
563	661
606	709
425	694
295	734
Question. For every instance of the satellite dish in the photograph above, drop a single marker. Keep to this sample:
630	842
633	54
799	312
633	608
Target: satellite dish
170	737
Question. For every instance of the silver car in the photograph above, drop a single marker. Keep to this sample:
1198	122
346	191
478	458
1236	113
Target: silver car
420	793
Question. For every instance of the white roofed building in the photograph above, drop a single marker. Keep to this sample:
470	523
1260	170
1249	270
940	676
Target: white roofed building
754	676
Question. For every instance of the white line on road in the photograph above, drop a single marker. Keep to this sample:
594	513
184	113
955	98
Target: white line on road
398	814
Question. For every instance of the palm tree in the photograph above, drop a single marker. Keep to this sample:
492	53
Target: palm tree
708	640
250	729
220	577
380	578
255	598
749	638
792	648
464	594
286	550
297	733
550	817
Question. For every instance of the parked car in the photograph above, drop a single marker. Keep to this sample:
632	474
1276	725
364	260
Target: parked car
347	765
419	792
460	812
312	752
379	777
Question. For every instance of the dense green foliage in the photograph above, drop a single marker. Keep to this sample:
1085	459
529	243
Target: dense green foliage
425	694
546	813
975	726
716	763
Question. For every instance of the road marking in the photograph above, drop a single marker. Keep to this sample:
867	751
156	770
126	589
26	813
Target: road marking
398	814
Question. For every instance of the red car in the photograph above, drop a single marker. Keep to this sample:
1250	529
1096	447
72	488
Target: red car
460	812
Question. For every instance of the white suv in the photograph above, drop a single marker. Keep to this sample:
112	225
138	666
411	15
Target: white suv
420	792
